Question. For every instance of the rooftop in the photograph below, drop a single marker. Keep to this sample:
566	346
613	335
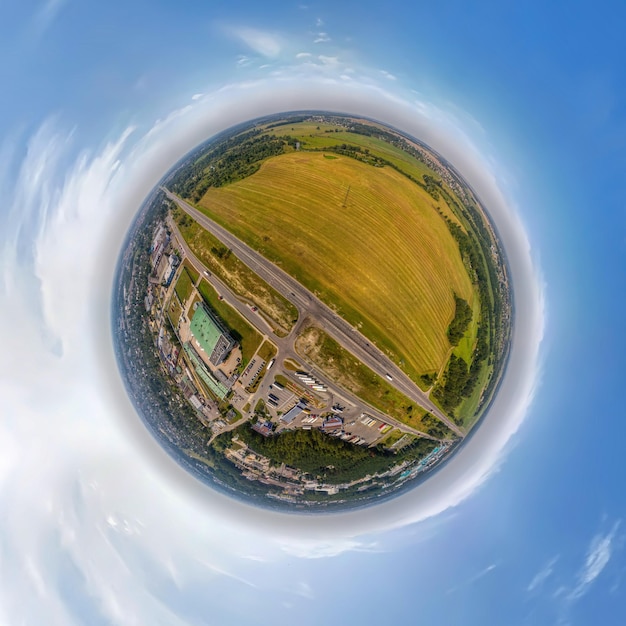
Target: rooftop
206	328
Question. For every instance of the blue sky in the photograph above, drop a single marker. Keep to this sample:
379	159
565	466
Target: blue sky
97	526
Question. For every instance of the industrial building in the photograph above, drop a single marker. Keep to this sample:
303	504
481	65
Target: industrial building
293	413
264	428
332	424
172	266
203	372
210	334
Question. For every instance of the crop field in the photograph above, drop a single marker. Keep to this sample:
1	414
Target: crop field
245	334
241	279
314	344
314	136
365	239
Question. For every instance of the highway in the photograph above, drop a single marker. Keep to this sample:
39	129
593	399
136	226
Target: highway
285	346
309	305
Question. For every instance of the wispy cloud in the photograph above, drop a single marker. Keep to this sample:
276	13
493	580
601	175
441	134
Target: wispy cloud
322	549
327	60
304	589
47	15
542	575
264	43
598	556
473	579
71	517
388	75
568	585
321	38
109	511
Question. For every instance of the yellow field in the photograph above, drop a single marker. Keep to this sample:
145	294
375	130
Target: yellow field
379	253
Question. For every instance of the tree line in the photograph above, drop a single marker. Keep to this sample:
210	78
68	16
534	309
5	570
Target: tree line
461	320
232	160
329	458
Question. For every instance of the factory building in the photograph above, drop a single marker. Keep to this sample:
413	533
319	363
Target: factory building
210	334
293	413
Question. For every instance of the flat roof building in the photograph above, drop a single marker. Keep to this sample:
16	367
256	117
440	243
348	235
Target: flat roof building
203	372
293	413
211	335
264	428
172	265
332	424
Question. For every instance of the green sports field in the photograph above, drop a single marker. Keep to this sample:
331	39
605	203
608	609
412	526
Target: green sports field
366	239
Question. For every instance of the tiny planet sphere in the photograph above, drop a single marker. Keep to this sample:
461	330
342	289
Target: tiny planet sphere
312	311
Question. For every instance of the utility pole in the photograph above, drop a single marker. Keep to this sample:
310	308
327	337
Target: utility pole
346	198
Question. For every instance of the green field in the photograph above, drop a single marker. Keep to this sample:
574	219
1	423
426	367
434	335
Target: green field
291	365
314	136
267	351
466	345
230	180
193	272
350	373
393	437
366	240
174	311
184	286
245	334
238	276
283	380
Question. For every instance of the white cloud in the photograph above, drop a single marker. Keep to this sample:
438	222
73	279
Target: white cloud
180	131
327	60
321	38
388	75
116	507
565	593
303	55
47	14
472	579
264	43
304	589
542	575
74	498
325	548
598	556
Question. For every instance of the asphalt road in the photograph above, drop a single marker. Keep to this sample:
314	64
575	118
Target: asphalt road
285	347
309	305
